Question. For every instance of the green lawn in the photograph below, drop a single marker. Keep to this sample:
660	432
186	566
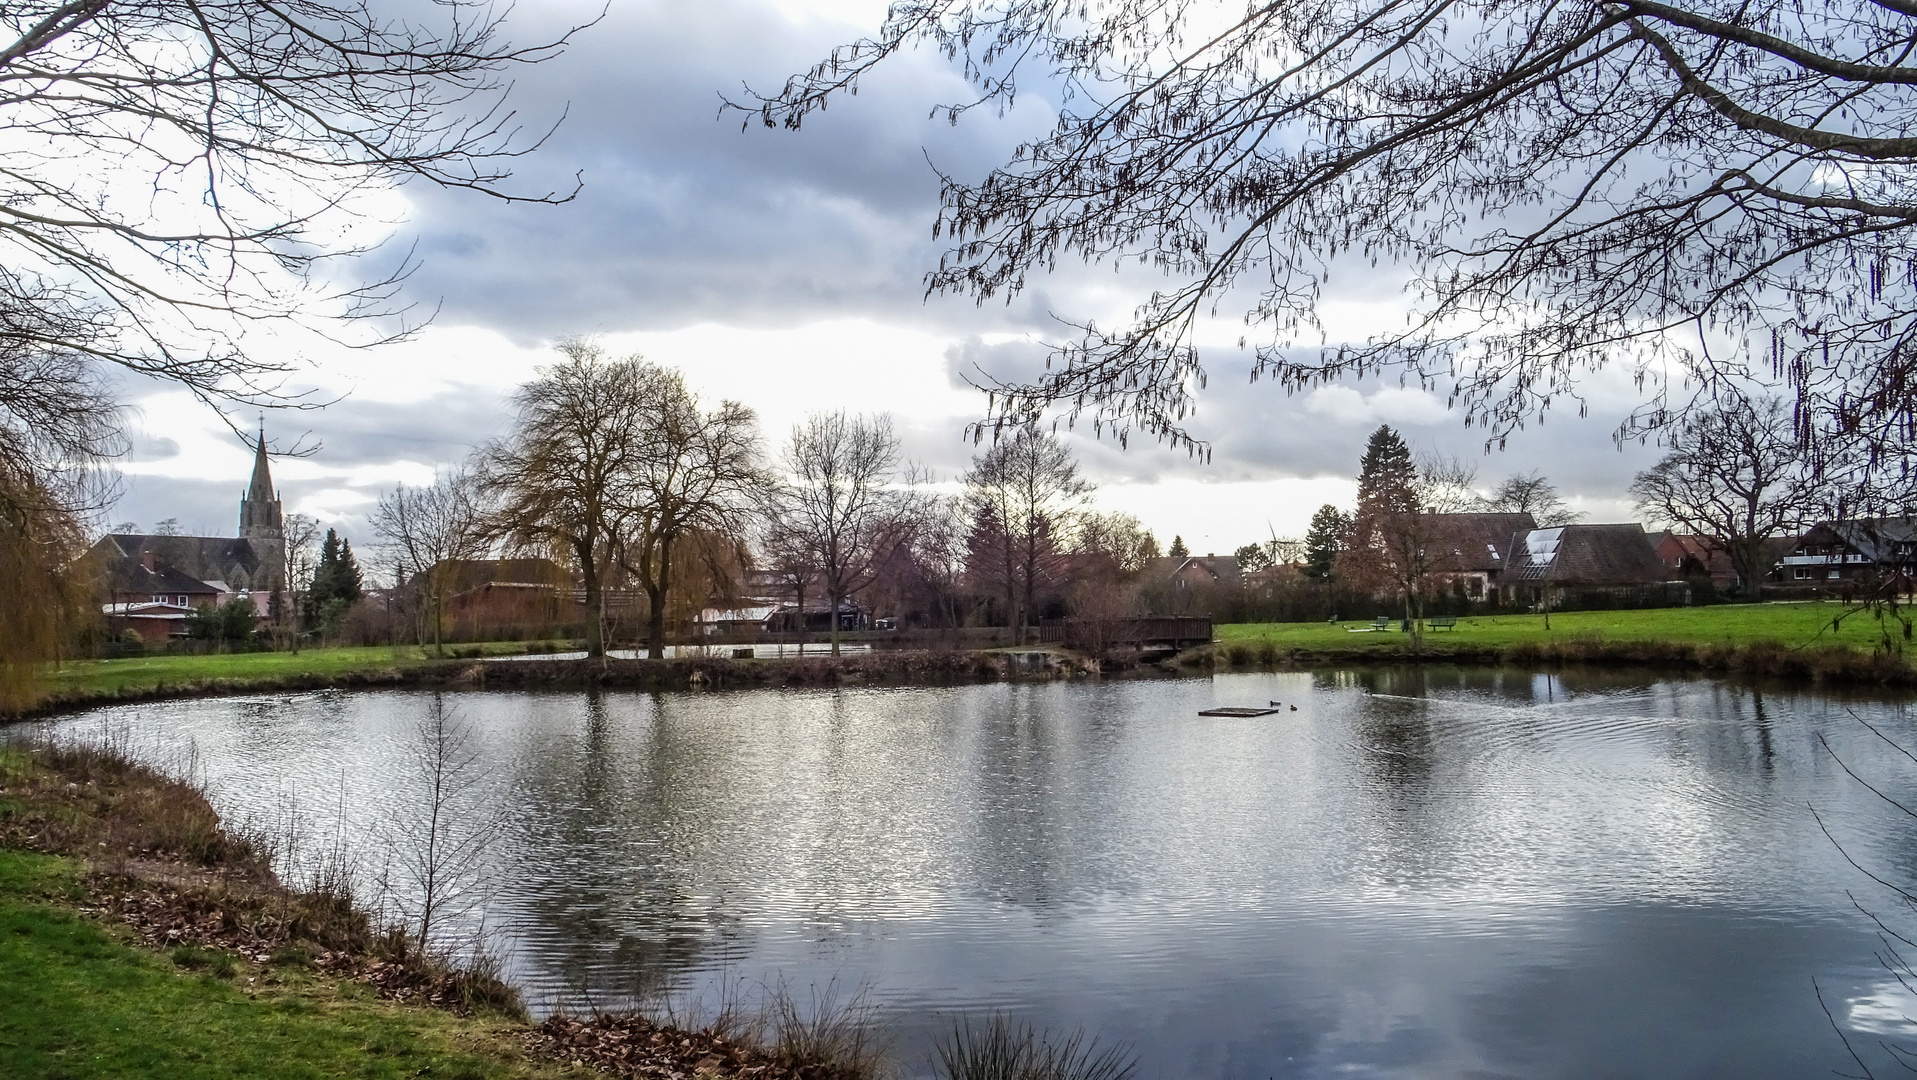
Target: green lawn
152	672
79	1002
1734	624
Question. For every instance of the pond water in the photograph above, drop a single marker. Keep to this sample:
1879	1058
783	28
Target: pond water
1416	873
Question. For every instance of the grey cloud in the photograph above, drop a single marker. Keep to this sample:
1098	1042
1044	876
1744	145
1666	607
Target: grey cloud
686	218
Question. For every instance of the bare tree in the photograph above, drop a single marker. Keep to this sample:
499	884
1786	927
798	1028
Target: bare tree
1566	186
180	172
1530	493
562	479
302	534
441	831
431	532
1118	536
841	504
786	546
1028	484
696	472
1736	476
1400	537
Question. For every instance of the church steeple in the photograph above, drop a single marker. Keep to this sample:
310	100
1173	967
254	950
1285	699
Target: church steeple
260	517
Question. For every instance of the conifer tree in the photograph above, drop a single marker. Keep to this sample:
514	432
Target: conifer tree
1387	477
348	584
1324	540
1178	548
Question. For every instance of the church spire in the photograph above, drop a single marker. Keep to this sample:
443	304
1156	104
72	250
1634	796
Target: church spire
261	489
260	517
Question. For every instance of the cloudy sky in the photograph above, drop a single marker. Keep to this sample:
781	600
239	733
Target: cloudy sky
784	270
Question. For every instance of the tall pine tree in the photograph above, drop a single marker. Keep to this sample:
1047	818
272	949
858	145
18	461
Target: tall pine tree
1387	477
1325	538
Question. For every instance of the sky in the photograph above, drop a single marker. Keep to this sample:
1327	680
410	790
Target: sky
784	270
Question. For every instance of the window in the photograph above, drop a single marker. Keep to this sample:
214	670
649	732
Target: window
1801	573
1836	574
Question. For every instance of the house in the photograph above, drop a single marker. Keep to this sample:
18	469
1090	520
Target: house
1691	557
185	572
153	621
495	597
1686	555
1832	552
734	622
1479	549
1186	584
816	617
1584	559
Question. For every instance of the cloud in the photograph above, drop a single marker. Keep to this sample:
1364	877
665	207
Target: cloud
1387	405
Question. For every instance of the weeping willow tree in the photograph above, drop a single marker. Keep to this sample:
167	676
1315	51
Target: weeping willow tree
57	428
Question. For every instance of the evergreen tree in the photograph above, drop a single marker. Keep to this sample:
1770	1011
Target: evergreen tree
326	573
1324	540
348	585
1387	477
1178	548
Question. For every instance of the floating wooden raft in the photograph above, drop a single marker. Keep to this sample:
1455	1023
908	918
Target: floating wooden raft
1236	710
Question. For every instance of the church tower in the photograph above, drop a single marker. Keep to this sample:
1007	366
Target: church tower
260	517
262	522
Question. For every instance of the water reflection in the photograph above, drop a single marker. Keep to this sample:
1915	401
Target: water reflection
1421	871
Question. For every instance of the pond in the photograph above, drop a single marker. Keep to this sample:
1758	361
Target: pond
1439	872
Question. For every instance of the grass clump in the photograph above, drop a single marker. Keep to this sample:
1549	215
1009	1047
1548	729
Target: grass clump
1001	1049
215	962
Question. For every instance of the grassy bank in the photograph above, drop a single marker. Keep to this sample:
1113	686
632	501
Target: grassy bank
1794	640
106	678
1802	640
139	938
98	682
1795	625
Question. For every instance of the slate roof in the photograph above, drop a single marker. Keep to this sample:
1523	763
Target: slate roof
1480	542
132	578
204	557
1874	538
1586	555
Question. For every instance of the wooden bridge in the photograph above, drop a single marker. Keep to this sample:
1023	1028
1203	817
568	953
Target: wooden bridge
1175	632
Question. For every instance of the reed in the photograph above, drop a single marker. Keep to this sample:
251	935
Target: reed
1003	1049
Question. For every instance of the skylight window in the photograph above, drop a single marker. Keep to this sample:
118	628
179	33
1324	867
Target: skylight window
1541	545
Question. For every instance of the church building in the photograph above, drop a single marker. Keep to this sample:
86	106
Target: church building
153	581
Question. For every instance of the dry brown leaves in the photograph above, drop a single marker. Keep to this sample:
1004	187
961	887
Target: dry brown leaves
631	1045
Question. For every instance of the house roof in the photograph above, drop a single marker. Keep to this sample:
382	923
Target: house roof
1586	555
199	556
135	577
1873	538
1222	569
1480	542
470	574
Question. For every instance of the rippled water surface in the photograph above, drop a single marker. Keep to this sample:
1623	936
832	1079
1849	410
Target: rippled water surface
1438	873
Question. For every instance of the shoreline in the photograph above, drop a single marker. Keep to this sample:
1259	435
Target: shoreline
1821	665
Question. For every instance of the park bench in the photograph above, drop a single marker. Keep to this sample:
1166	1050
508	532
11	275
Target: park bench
1444	622
1379	624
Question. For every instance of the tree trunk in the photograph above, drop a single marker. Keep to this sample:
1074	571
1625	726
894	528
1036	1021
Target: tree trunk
1747	557
595	603
1411	617
1031	587
438	599
798	595
836	598
656	590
